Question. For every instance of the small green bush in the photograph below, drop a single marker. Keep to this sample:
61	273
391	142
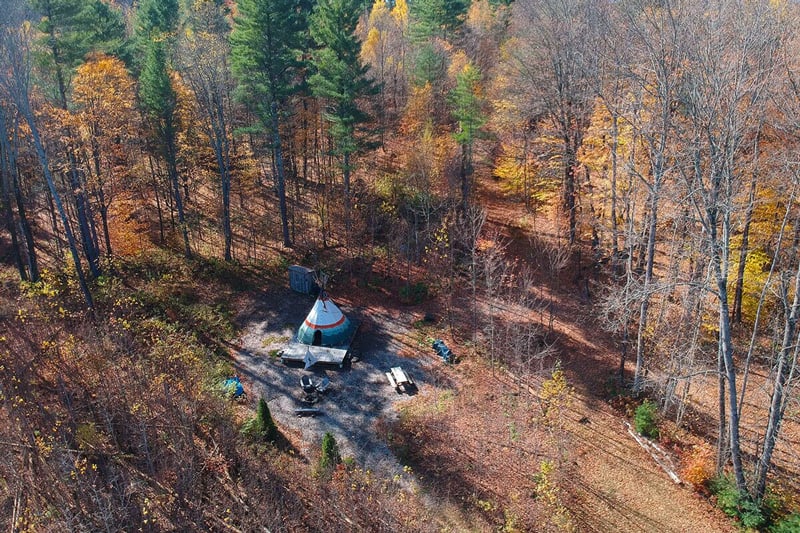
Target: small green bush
261	426
330	453
737	504
789	524
644	419
413	294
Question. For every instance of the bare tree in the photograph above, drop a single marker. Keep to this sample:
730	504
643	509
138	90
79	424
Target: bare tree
15	59
722	90
555	63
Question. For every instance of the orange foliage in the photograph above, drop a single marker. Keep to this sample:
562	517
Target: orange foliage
127	227
698	465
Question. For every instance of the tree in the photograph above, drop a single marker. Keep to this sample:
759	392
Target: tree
330	453
203	59
266	425
73	28
555	65
437	18
466	105
340	80
265	41
15	59
723	89
160	102
27	262
104	97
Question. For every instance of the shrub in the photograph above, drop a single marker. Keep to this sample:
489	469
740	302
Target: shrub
330	453
698	466
261	426
644	419
413	294
789	524
737	504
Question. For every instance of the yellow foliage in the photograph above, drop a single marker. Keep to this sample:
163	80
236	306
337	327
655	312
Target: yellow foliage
127	231
480	15
459	63
369	49
555	395
756	270
400	12
418	111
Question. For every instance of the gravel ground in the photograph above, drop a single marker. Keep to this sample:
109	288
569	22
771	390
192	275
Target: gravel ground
359	394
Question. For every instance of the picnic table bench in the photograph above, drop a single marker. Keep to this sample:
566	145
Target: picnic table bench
399	379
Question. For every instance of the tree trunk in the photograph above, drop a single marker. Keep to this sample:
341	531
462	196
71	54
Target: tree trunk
569	187
748	218
648	277
37	142
280	180
787	360
172	170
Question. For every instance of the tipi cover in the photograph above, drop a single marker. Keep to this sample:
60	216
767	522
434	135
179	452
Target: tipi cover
325	324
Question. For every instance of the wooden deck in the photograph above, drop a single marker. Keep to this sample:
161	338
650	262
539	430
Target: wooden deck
298	352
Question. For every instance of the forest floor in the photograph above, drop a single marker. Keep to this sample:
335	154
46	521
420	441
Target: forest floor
475	446
470	436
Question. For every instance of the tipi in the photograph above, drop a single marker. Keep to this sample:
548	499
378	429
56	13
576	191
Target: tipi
325	324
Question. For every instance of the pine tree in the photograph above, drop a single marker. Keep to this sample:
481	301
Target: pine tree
265	60
340	79
330	453
266	425
467	111
437	18
160	102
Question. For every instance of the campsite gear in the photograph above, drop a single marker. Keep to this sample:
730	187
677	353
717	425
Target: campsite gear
444	352
301	279
233	387
307	385
323	385
307	411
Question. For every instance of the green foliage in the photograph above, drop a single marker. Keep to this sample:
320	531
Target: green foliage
265	41
437	18
789	524
414	294
77	27
466	105
429	66
339	76
330	453
644	419
261	427
737	504
156	18
157	95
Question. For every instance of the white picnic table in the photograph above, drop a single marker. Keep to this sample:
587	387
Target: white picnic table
399	379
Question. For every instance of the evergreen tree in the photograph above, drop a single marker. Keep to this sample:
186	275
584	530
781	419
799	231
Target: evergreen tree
155	19
160	103
340	79
330	453
266	425
466	109
437	18
265	59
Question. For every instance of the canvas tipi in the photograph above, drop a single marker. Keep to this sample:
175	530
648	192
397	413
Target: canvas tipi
325	324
